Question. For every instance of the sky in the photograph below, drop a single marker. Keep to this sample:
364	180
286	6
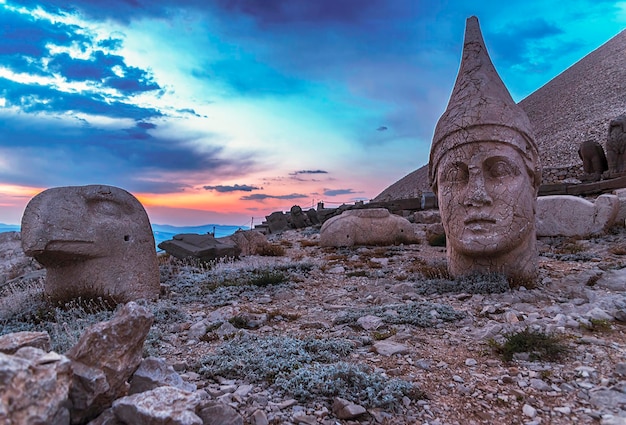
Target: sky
223	111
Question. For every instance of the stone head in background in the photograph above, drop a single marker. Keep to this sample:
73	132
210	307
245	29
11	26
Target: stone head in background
95	241
484	168
616	145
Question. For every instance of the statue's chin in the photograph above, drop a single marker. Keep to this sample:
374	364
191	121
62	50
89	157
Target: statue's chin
485	246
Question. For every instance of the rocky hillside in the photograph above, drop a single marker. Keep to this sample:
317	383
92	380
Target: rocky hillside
575	106
367	335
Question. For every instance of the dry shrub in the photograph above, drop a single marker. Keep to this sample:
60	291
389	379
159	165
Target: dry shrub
430	270
307	243
271	250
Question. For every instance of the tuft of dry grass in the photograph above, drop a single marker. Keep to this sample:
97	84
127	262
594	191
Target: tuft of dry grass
271	250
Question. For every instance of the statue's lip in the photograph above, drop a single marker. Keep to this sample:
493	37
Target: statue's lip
479	218
60	245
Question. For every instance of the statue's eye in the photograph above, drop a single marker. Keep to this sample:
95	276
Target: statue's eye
455	173
105	208
502	168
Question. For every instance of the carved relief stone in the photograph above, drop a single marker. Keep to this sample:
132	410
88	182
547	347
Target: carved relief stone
95	241
484	168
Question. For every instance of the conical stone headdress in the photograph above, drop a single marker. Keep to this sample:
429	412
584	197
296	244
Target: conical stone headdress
481	109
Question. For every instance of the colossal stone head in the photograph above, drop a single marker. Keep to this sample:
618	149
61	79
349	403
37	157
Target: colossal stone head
95	241
484	167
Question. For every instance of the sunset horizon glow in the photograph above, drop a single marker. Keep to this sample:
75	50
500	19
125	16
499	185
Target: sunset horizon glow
225	111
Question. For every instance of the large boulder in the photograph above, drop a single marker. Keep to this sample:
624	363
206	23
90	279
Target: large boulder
34	387
202	247
375	226
95	241
566	215
298	219
104	358
277	222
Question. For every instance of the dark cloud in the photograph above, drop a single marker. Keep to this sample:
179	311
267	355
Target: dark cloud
295	173
262	197
131	158
234	188
513	43
382	128
337	192
38	98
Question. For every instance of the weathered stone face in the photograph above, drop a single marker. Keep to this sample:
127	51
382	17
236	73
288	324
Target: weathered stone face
487	203
484	167
95	241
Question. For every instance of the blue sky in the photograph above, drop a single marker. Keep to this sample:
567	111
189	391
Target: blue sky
220	111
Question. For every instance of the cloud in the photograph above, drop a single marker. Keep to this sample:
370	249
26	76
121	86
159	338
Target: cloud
295	173
262	197
234	188
337	192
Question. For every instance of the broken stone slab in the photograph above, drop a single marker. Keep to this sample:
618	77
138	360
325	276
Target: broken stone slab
389	348
162	405
12	342
154	372
218	413
104	358
372	226
567	215
203	247
345	409
621	214
34	387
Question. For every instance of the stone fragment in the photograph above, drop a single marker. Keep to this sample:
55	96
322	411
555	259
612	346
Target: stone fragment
95	241
13	261
104	358
160	406
566	215
345	409
202	247
34	387
12	342
529	411
259	418
217	413
607	398
375	226
370	322
389	348
620	219
154	372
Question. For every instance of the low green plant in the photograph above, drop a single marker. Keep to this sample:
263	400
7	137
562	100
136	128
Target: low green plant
423	314
258	359
538	345
356	383
477	283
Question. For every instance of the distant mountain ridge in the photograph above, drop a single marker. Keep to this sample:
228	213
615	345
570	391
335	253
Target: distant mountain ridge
164	232
574	106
